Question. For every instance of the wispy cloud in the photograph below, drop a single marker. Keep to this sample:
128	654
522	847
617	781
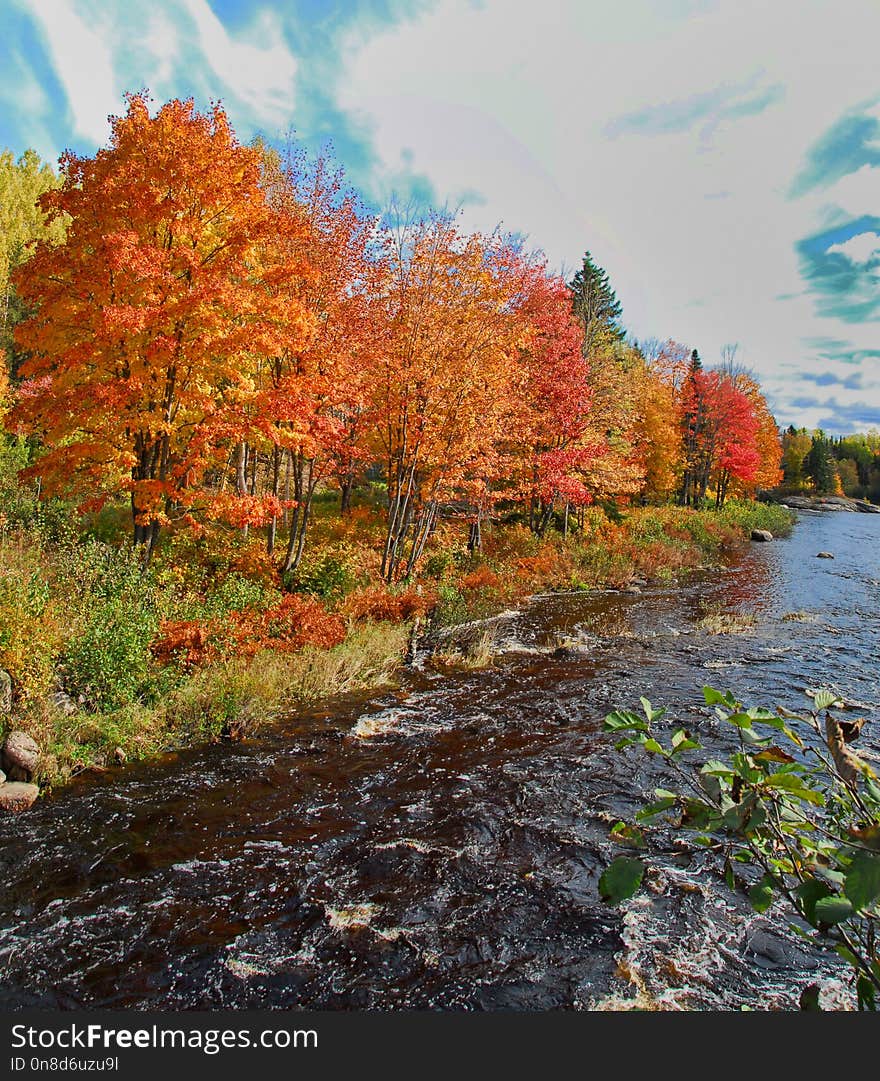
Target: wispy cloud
76	46
850	144
707	110
844	287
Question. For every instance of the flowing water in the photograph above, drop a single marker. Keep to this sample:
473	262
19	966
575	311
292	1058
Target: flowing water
439	846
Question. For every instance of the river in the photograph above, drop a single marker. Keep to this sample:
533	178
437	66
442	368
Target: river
439	846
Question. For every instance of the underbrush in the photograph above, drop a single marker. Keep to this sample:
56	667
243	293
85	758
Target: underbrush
109	662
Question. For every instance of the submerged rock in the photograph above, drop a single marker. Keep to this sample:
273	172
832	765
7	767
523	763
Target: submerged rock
824	555
17	796
20	756
762	535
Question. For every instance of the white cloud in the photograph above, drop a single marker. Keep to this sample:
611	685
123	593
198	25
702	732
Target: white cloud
172	47
83	63
261	71
858	249
614	128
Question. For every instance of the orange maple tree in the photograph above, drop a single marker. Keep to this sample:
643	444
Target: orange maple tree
445	380
148	319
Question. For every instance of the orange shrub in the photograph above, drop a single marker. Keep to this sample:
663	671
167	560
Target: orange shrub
296	621
377	603
481	578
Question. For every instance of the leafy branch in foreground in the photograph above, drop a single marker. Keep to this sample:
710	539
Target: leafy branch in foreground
792	800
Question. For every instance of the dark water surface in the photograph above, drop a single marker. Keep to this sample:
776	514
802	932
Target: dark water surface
440	846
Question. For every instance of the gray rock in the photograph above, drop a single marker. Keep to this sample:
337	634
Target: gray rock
64	702
5	692
20	756
762	535
824	555
16	797
772	950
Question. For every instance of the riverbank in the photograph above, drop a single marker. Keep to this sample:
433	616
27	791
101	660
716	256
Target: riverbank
439	845
109	666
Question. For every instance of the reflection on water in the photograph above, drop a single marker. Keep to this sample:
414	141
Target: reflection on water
440	846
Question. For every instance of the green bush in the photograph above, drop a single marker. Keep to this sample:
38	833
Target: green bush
746	514
790	816
451	607
327	575
437	564
107	665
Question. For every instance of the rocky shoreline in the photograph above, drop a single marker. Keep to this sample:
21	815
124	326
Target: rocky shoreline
826	503
19	761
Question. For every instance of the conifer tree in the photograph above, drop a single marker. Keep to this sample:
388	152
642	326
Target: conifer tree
596	306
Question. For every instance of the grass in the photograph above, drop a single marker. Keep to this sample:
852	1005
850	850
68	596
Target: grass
717	621
230	700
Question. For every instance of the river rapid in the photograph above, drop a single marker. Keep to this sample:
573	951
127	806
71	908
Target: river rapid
439	846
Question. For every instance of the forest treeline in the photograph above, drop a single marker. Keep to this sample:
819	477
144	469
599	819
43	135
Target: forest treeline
831	465
219	333
243	414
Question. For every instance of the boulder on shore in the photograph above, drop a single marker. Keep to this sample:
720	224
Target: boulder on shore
5	692
824	555
20	756
762	535
17	796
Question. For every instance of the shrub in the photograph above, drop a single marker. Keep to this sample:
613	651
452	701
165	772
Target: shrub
325	574
791	816
107	665
30	623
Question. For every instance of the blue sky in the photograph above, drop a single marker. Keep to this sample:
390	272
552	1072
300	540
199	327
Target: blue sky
721	158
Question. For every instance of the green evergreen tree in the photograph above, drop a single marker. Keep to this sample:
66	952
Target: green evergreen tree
819	464
596	305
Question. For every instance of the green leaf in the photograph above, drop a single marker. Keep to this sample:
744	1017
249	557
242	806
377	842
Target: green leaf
621	718
651	810
627	834
729	876
717	698
651	713
824	698
832	910
862	882
620	879
848	956
794	783
761	894
653	747
866	994
681	741
741	720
